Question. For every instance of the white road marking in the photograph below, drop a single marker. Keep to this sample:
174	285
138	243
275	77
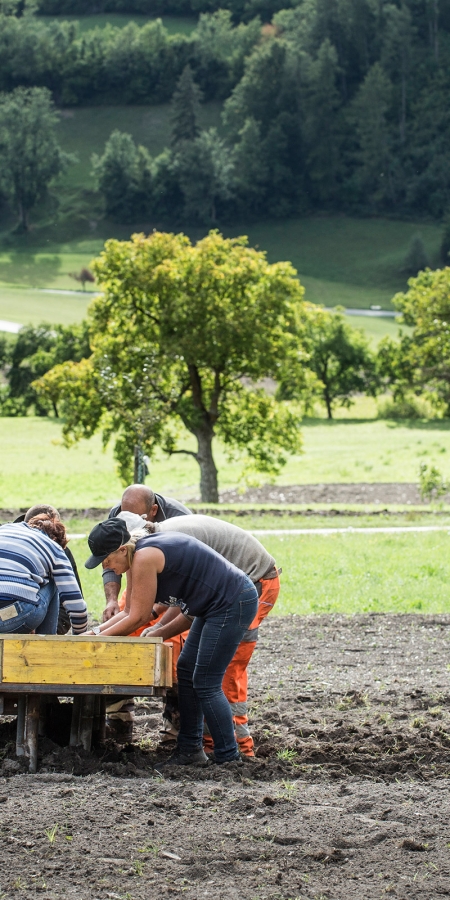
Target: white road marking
13	327
388	529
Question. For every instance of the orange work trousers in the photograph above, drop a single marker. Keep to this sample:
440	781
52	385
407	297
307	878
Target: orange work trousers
235	681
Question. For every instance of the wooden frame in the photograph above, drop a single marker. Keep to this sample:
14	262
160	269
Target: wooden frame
33	665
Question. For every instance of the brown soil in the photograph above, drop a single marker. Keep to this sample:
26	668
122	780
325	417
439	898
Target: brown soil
364	492
348	798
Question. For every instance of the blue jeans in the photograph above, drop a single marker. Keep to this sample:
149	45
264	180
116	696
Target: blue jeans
41	616
210	646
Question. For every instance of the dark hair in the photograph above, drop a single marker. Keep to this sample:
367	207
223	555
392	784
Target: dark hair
41	509
51	527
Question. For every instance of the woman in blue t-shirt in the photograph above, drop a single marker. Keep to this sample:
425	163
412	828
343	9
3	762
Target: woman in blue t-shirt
195	583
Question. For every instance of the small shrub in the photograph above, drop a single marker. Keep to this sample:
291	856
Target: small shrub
416	258
431	483
83	277
406	408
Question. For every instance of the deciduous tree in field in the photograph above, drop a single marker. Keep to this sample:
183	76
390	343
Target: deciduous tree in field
36	350
180	336
338	357
30	156
420	361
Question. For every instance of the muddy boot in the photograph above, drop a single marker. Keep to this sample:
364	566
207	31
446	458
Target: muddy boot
180	758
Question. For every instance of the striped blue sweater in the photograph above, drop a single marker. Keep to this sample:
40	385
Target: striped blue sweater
28	560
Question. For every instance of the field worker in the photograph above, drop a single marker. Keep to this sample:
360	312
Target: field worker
35	577
141	500
248	554
197	583
45	509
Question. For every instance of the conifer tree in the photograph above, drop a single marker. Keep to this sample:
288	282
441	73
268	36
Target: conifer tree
185	108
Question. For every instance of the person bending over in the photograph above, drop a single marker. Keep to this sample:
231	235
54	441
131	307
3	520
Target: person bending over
141	500
35	576
46	510
243	550
194	582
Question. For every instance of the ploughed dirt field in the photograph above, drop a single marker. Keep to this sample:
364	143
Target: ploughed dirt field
348	797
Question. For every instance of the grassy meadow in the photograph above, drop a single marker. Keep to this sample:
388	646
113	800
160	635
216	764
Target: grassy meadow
349	573
344	450
26	266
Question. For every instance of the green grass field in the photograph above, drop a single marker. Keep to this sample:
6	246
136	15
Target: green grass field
348	574
353	262
25	265
173	24
35	464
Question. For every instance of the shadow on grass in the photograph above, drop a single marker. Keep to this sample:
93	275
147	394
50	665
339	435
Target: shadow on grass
22	268
423	424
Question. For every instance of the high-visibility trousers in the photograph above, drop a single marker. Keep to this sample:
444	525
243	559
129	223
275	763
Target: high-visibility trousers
235	681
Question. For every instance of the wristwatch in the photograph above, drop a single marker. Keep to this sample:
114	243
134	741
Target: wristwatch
96	629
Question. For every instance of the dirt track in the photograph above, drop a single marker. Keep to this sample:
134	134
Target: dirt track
357	807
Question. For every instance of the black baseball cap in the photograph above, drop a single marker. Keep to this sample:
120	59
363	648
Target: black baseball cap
105	539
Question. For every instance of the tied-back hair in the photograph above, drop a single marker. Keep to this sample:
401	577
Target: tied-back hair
148	528
53	528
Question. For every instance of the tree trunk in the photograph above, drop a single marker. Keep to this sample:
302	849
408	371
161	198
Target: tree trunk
209	491
328	404
23	213
139	465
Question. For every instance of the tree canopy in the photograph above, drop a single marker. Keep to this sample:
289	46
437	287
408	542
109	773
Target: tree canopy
181	336
30	156
332	361
420	361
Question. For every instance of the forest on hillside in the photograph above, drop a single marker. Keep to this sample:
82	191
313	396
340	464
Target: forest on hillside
327	104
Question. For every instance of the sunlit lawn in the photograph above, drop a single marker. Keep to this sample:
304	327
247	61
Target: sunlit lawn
348	574
34	460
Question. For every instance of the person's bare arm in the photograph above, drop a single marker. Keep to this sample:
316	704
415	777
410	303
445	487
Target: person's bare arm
112	590
129	589
178	624
146	566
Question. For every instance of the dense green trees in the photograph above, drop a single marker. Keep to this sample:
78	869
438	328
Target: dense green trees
331	105
30	156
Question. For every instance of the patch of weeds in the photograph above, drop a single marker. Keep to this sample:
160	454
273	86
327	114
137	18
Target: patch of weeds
289	789
417	722
384	718
149	848
435	711
51	833
146	743
138	867
288	754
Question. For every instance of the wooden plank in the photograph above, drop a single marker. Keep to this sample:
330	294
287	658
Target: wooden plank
89	662
60	690
81	638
